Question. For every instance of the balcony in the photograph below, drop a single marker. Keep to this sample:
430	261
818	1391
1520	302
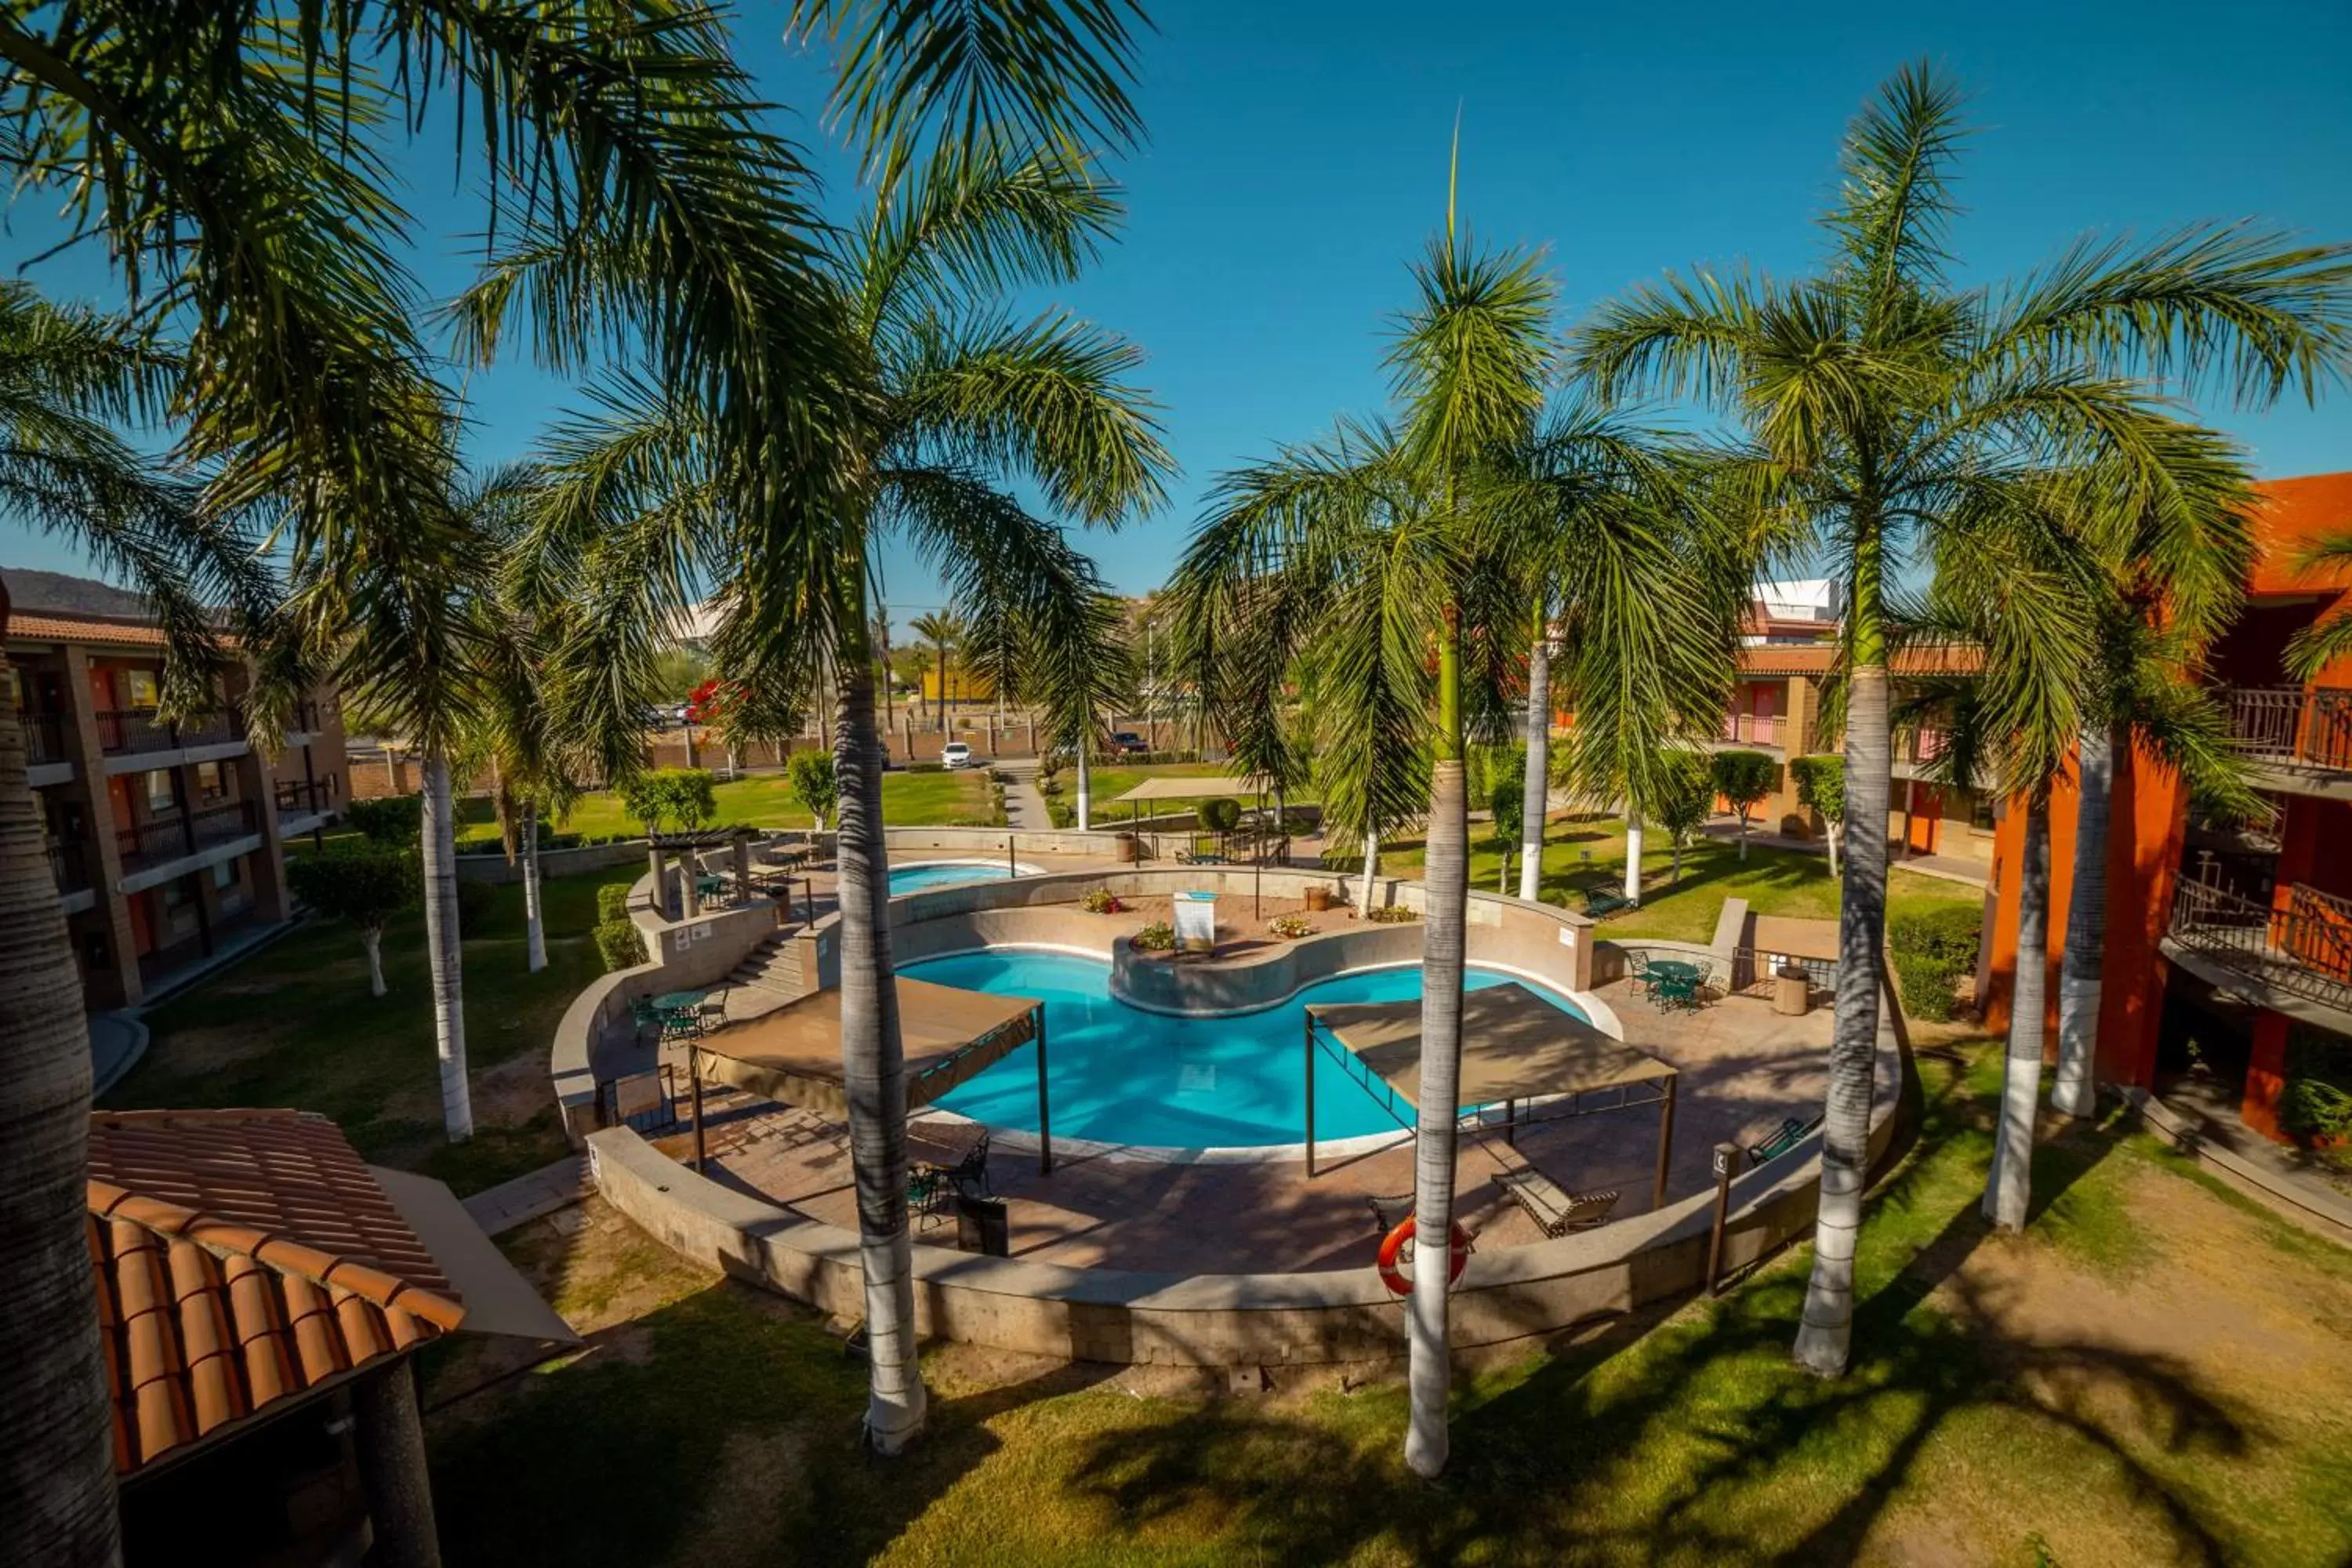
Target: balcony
69	864
44	738
299	800
134	732
2295	960
1751	728
2303	729
147	845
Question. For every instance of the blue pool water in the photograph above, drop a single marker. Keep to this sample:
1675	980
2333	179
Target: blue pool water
945	873
1120	1074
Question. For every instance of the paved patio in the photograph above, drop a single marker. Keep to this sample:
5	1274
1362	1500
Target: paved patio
1744	1069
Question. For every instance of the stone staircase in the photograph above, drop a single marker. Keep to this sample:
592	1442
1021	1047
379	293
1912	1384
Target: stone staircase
773	966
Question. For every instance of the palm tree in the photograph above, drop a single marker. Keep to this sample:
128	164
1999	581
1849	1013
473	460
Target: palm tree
2328	638
945	633
636	498
1535	786
1886	407
68	379
1077	672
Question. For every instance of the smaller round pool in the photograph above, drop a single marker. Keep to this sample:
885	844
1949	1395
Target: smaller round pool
925	875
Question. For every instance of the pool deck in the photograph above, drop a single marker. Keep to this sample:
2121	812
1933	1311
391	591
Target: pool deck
1744	1068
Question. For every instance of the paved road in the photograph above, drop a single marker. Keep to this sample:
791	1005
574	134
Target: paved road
1024	808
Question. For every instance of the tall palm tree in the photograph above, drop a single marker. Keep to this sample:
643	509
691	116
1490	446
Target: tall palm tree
1886	406
1536	799
945	633
1076	670
2328	638
70	380
637	499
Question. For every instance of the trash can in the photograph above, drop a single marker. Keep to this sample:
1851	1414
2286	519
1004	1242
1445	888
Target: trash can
1792	991
981	1227
1123	848
1319	897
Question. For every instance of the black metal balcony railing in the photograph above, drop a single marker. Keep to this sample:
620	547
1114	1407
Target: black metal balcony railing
135	730
69	864
44	738
169	838
2305	948
301	797
2302	727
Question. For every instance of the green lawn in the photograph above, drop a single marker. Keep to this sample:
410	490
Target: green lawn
2027	1400
1108	783
765	800
294	1026
1773	881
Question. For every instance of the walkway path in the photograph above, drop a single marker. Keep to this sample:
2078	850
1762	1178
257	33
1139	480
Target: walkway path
1025	807
550	1187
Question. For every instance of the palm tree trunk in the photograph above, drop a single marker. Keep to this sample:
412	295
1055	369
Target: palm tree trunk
1826	1334
874	1067
1371	870
372	938
442	945
534	923
2009	1189
1085	790
1429	1361
2076	1093
1632	859
1537	795
1830	837
1429	1369
57	1450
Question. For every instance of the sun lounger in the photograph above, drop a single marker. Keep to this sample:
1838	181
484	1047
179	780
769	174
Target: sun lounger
1791	1133
1556	1210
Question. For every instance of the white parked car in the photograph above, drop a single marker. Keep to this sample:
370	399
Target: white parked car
956	755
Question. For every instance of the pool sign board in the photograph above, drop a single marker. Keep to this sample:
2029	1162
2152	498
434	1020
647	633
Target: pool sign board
1196	922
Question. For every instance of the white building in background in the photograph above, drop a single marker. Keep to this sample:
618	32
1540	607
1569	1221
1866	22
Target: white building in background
1805	610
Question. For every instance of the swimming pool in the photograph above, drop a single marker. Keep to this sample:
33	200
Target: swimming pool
1117	1074
926	874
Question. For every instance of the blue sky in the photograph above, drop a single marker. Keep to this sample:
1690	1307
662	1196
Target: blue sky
1296	162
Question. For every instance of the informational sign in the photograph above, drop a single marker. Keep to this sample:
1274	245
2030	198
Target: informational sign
636	1094
1196	922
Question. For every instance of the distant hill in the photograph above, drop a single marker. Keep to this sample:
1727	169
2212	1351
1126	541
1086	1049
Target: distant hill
57	593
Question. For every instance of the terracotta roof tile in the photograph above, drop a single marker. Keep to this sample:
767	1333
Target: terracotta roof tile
243	1257
37	627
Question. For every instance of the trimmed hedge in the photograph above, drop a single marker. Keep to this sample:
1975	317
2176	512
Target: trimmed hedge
618	942
1932	952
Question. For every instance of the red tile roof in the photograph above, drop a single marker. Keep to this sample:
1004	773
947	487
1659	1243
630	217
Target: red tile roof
34	626
2294	515
243	1257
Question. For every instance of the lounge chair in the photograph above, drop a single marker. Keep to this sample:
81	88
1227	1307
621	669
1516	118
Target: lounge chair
1791	1133
1556	1210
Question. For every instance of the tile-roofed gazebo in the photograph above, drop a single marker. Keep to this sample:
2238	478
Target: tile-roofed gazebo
244	1258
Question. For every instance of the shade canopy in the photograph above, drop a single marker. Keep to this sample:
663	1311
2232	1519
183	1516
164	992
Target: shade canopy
1515	1046
793	1054
1198	786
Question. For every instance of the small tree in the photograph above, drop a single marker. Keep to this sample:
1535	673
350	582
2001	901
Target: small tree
690	794
1506	785
643	797
1820	788
813	785
389	819
365	884
1683	808
1744	778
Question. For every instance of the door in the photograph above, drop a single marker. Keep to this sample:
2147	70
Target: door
1927	820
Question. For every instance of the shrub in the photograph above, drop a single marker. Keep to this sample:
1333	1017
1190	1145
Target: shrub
613	902
392	819
1221	813
619	944
1156	937
1394	915
1291	926
1932	951
1101	901
2315	1104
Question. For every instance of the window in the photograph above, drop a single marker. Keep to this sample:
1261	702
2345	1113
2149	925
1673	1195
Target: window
160	798
212	782
143	688
1980	813
228	873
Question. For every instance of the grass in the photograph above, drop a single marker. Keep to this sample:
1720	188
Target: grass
1789	882
765	800
293	1024
2009	1401
1107	785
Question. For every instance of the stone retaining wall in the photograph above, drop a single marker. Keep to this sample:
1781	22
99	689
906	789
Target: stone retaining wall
552	863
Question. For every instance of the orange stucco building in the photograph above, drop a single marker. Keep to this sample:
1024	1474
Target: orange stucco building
2229	957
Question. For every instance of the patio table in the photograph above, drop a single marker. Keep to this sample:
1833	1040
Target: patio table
707	885
677	1001
1675	980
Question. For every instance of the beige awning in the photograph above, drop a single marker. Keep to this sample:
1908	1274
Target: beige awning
1789	938
1198	786
1515	1046
794	1055
498	1299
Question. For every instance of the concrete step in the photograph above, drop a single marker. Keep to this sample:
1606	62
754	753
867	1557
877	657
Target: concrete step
773	966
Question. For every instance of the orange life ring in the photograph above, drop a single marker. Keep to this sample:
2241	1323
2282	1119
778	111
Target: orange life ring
1392	1250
